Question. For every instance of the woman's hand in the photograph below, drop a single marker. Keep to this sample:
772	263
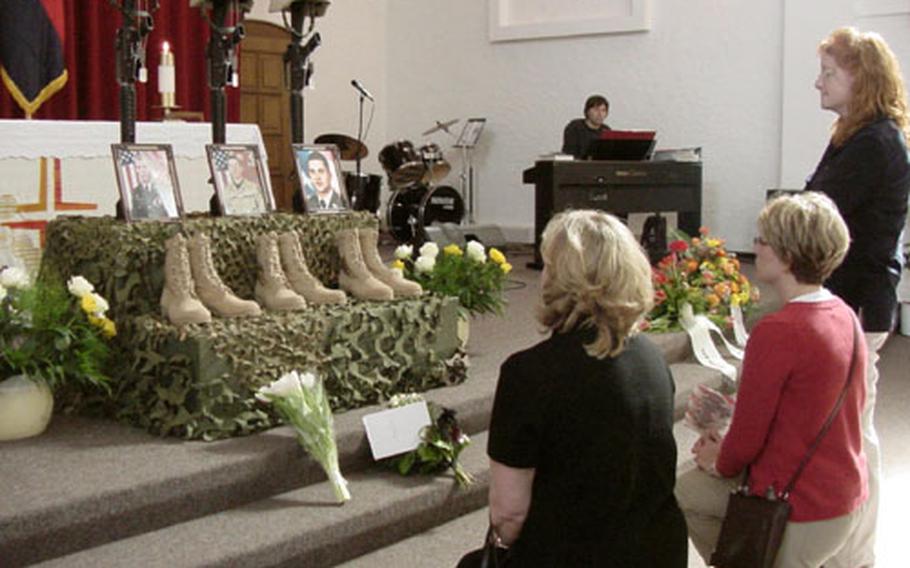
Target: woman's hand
706	450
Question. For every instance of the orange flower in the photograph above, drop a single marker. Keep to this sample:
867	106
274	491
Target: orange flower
696	241
721	289
691	266
735	287
713	300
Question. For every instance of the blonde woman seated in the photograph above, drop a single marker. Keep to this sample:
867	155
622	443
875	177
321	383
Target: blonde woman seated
796	365
582	456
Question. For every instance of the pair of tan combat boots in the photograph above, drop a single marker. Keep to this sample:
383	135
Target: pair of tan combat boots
193	289
362	272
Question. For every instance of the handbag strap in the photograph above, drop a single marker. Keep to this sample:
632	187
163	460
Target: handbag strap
827	426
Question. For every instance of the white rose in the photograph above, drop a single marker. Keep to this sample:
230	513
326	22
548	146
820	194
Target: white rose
404	251
476	251
308	380
79	286
425	264
101	305
287	386
13	277
429	249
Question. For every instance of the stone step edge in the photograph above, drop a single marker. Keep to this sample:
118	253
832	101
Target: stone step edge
304	527
285	467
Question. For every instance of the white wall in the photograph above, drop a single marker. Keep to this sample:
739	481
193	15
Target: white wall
707	74
730	76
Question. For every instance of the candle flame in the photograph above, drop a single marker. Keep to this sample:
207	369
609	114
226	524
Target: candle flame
165	47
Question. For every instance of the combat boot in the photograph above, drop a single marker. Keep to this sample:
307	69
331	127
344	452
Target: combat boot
178	299
354	277
272	289
213	292
402	287
299	276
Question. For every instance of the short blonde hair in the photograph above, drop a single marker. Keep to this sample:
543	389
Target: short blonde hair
595	275
878	86
807	231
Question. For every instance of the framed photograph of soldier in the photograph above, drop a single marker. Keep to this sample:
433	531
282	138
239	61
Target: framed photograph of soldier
147	180
240	180
321	181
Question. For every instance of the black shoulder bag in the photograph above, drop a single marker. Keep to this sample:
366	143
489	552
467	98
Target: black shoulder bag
754	525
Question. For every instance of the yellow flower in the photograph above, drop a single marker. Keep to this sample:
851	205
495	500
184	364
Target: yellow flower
497	256
108	328
505	267
398	263
453	249
713	243
88	304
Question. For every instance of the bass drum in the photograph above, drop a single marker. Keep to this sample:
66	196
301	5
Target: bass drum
411	210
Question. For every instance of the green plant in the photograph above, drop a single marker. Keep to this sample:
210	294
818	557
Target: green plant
471	275
700	272
53	333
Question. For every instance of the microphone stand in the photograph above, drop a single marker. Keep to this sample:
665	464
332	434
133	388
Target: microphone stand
359	135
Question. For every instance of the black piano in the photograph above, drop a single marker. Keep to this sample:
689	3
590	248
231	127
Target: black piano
617	187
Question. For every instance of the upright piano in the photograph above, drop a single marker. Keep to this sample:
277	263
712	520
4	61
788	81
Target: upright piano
617	187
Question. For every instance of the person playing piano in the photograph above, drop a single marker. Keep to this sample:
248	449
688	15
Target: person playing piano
580	132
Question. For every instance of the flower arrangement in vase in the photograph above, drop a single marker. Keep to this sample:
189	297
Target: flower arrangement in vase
473	275
698	271
51	335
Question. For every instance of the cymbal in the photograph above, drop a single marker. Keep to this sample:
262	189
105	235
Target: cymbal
440	126
349	148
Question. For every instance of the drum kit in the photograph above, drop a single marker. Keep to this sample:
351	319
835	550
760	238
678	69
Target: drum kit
415	174
417	200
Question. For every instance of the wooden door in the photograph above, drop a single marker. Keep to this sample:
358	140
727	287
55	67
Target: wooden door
265	101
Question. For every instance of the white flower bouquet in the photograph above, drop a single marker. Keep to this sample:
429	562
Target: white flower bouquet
301	401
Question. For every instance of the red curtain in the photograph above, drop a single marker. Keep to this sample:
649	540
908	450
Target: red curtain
92	93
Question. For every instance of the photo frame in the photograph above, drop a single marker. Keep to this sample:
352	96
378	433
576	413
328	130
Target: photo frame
240	180
321	181
147	179
511	20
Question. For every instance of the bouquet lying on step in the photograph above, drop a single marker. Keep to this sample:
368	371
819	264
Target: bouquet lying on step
301	401
442	441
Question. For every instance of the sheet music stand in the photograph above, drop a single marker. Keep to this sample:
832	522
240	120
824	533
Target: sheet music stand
467	141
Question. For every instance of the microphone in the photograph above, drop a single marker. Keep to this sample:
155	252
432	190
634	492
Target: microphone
361	89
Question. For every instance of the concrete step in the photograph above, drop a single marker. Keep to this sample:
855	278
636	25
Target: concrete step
86	483
303	527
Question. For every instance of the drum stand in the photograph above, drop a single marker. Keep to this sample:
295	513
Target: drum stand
467	181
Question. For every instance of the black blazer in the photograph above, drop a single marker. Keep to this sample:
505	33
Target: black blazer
868	177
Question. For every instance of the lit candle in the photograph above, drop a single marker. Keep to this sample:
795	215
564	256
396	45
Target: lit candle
167	77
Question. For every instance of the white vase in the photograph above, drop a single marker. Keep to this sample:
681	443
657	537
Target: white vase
25	407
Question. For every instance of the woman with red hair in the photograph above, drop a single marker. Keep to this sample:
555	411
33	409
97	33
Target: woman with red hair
866	172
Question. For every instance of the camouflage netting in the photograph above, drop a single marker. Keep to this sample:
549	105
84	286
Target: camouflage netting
198	381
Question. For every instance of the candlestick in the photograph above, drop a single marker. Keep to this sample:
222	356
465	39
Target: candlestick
167	77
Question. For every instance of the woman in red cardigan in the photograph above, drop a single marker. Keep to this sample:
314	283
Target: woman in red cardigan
796	365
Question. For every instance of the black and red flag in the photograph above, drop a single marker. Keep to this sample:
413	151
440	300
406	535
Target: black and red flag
31	50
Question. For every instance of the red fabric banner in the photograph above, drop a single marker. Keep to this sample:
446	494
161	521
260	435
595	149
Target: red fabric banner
92	93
